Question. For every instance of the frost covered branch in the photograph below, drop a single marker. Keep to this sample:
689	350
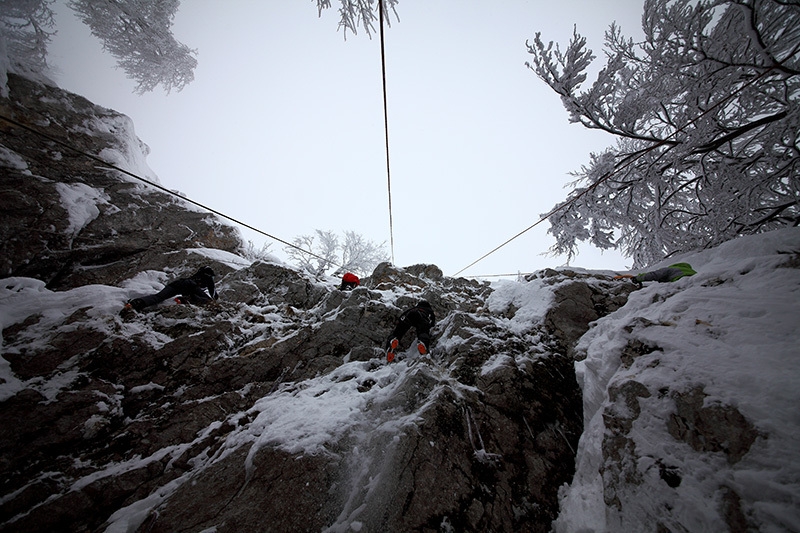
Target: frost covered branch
137	33
26	27
355	13
356	254
706	115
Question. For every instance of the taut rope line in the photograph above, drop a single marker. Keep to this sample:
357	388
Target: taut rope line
386	129
159	187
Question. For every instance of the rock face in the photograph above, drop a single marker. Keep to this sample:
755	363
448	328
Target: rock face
275	410
478	437
69	222
689	407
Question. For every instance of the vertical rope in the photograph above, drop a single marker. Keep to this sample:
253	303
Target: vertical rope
386	129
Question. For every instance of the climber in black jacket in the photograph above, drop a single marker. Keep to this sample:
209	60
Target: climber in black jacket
422	319
198	289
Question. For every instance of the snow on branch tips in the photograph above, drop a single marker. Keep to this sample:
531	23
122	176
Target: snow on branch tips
355	13
25	32
705	112
324	253
137	33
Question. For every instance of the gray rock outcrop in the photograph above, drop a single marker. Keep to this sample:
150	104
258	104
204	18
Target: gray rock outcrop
156	421
68	221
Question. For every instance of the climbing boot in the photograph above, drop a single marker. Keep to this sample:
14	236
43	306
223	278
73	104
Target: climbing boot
137	304
422	349
393	344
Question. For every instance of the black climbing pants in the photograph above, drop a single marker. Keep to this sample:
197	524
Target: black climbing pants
185	287
413	319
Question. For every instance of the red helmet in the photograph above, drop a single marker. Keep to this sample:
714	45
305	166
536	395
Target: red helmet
350	278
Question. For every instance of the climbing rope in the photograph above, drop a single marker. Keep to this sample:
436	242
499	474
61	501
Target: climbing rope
517	275
386	129
159	187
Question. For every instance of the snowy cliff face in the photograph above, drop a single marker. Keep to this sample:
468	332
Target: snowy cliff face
275	410
59	221
691	395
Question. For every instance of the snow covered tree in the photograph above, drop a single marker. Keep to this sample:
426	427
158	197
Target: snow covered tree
355	13
359	255
707	120
252	253
137	33
356	254
25	31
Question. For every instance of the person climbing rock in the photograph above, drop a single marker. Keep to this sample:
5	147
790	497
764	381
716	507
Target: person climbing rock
349	281
198	289
422	319
666	274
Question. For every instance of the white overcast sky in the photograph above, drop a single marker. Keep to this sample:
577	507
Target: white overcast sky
282	127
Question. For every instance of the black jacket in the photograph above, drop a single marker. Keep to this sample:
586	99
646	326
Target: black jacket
420	315
205	281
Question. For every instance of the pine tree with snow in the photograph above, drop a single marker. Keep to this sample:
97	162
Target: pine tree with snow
707	120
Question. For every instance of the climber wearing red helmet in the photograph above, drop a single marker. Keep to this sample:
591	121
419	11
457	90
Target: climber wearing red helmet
349	281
